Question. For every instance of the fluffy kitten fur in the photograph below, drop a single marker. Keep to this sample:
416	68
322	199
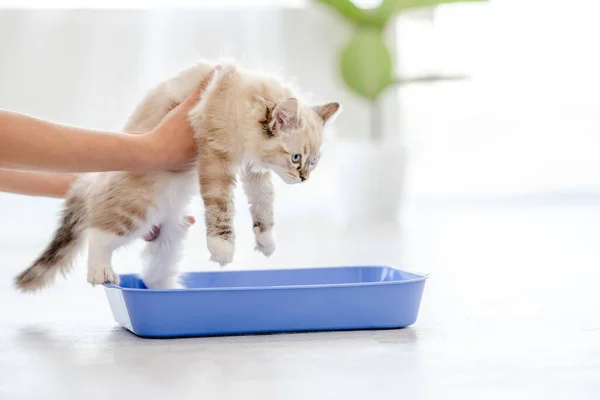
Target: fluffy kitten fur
245	124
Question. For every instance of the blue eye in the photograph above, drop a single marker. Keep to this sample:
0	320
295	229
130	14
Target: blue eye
296	158
314	160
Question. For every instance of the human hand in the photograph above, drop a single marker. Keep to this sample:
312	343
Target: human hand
172	142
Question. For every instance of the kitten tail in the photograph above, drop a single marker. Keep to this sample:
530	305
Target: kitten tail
61	251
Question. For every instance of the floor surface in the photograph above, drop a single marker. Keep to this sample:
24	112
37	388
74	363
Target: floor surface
512	310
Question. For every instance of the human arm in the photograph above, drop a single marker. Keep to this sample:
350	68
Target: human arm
29	143
35	184
32	143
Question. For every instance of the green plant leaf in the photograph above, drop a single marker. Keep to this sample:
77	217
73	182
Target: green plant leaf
349	11
382	14
366	63
403	5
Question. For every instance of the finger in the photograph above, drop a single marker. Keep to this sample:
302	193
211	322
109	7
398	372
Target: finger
195	95
193	98
207	79
204	84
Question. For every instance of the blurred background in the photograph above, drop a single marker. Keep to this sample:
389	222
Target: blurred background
490	182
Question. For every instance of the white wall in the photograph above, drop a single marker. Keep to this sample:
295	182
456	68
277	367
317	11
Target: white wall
527	122
90	68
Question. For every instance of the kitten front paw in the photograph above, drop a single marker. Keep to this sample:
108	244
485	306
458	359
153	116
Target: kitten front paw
102	274
221	250
265	243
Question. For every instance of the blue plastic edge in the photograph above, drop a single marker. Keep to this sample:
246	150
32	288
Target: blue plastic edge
418	277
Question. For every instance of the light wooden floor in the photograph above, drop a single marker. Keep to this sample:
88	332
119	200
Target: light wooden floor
512	310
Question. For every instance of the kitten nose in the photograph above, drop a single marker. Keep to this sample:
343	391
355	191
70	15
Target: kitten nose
304	174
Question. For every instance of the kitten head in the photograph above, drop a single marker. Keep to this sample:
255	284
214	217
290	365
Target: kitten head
292	138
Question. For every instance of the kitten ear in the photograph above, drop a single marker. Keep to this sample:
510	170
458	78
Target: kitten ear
326	111
285	115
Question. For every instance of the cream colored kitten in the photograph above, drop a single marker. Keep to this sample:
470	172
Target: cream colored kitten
246	124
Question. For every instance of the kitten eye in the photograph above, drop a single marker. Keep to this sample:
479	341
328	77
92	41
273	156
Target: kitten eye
296	158
314	160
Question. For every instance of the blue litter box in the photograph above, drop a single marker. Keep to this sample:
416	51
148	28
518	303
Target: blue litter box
261	301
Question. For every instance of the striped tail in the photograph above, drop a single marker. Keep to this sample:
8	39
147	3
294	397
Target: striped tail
59	255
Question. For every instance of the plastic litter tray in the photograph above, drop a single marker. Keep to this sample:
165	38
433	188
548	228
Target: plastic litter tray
261	301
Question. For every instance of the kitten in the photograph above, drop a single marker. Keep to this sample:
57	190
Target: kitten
246	124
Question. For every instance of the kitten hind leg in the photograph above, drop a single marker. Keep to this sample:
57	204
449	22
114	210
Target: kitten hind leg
101	247
161	255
